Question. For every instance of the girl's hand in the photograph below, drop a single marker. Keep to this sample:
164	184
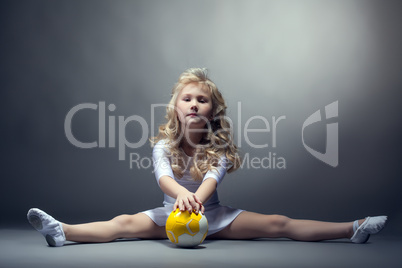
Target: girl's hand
188	201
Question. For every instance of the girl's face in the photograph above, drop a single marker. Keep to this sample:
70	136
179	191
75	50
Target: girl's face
194	105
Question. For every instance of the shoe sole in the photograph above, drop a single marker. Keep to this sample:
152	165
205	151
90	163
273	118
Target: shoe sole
50	240
365	241
36	222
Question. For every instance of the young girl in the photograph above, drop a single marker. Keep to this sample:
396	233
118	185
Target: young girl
191	154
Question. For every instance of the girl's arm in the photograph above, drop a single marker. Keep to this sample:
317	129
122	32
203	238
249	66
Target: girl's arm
185	200
206	189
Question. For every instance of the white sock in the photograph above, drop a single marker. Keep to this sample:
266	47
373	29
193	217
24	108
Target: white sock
371	225
50	228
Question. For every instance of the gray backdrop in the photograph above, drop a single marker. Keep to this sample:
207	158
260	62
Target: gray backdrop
269	59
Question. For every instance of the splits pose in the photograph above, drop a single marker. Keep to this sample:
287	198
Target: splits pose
191	154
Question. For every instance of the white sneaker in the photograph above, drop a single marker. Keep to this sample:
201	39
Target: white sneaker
371	225
50	228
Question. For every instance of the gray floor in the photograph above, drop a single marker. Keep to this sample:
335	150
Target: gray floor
27	248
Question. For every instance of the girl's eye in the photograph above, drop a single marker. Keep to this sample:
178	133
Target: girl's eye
186	99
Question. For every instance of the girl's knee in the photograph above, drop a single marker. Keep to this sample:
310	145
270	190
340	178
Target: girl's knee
278	223
123	221
138	226
278	220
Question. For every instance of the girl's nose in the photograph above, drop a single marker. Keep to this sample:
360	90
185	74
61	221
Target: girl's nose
194	108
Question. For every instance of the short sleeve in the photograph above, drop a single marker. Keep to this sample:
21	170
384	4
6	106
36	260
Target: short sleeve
161	161
218	173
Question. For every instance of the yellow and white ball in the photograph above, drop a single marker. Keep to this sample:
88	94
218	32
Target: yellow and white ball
186	229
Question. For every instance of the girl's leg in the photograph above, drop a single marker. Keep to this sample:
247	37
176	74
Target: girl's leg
123	226
249	225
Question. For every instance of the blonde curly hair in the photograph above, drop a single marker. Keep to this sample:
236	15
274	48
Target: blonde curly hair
217	141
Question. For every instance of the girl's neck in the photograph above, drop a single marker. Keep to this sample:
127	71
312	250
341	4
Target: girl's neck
189	143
